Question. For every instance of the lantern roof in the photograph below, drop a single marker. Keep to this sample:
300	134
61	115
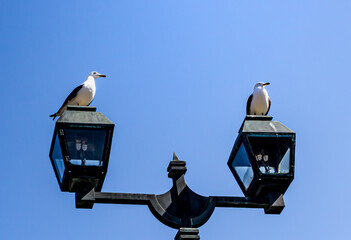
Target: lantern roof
83	115
263	124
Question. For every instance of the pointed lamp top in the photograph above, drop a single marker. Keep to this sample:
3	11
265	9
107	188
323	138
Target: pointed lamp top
175	158
176	167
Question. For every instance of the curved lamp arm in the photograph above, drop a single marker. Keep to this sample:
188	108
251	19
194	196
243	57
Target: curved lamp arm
180	207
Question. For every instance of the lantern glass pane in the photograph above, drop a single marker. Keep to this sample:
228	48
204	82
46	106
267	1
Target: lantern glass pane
58	159
242	166
86	146
272	154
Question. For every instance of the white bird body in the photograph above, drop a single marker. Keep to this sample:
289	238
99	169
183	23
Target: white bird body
259	102
82	95
86	94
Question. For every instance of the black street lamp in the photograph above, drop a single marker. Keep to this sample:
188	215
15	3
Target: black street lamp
262	159
80	148
262	162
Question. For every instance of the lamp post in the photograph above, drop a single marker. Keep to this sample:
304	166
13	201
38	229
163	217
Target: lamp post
262	161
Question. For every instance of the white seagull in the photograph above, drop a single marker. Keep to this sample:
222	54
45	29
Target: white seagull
82	95
259	102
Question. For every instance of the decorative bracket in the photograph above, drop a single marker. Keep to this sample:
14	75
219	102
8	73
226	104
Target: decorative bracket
180	207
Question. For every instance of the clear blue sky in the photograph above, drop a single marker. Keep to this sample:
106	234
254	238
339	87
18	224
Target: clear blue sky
179	74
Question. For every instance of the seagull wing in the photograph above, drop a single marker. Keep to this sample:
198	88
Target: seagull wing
90	102
269	105
72	95
248	104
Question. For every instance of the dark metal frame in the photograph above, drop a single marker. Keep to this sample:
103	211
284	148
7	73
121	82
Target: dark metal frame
180	207
263	185
73	172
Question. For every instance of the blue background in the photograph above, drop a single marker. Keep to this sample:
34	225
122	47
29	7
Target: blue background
178	77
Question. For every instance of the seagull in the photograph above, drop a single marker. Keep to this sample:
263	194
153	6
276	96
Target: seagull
82	95
259	102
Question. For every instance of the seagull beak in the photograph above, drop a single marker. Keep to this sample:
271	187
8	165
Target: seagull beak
266	84
102	75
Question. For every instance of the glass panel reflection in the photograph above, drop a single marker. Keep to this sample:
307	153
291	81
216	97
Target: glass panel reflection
58	159
285	163
272	154
86	147
242	166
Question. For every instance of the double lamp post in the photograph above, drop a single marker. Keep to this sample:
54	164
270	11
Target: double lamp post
262	162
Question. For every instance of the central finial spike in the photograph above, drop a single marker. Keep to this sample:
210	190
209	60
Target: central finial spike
175	158
176	167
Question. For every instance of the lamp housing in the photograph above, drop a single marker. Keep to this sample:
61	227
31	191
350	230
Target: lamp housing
263	157
80	148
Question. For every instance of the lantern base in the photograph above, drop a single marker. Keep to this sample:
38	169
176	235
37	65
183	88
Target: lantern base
82	190
187	234
276	203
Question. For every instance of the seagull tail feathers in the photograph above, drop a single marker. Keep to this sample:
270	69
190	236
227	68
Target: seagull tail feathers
54	116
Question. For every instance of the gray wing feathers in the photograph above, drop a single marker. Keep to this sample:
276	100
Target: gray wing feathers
248	104
72	95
